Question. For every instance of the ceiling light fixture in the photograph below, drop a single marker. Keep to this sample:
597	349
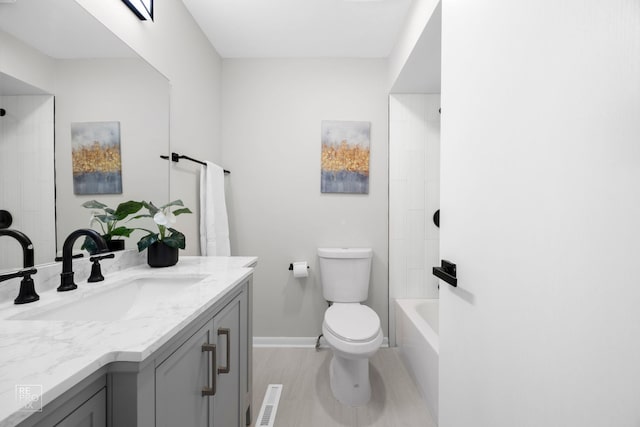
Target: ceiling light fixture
143	9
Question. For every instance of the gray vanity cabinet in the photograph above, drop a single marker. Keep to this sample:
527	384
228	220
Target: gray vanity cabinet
92	413
83	406
178	400
201	383
228	399
166	389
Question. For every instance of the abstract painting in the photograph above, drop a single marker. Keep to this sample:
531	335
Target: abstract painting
345	157
95	153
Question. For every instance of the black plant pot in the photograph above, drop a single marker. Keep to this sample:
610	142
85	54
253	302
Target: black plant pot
161	255
112	245
115	245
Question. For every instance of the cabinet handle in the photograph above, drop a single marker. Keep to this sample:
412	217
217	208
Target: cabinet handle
227	332
211	391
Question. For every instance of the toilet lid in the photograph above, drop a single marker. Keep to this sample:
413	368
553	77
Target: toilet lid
352	322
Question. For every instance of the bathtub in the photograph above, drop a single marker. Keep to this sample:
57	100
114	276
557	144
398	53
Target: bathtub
418	343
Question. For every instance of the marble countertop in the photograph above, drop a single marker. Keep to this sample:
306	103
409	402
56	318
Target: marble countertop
56	355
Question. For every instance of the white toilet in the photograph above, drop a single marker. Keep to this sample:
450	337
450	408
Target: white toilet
351	329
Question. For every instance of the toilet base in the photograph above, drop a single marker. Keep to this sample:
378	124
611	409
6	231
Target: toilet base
349	379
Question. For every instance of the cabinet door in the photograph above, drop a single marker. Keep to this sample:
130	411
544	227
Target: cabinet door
229	397
179	383
92	413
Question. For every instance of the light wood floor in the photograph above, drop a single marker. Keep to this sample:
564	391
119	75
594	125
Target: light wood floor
306	395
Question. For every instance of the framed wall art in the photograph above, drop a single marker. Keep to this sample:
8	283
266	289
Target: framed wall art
95	157
345	157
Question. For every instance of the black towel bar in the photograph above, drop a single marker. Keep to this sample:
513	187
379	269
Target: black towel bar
175	157
446	272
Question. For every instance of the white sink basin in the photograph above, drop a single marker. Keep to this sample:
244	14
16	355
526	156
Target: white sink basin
126	299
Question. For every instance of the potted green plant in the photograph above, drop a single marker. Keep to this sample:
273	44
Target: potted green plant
109	221
162	246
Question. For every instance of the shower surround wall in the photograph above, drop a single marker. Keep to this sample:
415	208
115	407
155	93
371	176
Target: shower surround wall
26	161
414	196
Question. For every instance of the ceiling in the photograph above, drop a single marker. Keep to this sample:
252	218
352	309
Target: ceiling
301	28
247	29
61	29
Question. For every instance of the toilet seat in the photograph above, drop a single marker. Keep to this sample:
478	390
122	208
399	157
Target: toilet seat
352	322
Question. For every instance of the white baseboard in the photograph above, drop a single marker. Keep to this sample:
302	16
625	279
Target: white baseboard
296	342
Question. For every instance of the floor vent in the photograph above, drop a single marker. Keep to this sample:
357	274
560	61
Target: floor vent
267	414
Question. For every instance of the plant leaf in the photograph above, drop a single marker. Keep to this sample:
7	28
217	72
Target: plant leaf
105	218
181	211
147	241
174	203
176	239
122	231
90	246
125	209
151	207
142	216
145	229
94	204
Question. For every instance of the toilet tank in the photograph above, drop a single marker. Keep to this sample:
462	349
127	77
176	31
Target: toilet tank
344	273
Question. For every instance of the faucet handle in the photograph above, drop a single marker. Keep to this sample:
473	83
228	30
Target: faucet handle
59	258
27	288
96	273
101	257
22	273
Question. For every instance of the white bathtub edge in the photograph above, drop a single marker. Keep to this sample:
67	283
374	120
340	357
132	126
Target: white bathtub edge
418	346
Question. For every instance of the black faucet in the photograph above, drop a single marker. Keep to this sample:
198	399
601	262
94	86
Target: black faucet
27	288
66	277
27	246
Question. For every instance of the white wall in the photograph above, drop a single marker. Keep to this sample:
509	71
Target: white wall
176	46
541	206
414	196
26	172
128	91
25	63
271	132
409	37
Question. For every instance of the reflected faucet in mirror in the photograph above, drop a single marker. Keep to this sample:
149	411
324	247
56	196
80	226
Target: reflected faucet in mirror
27	288
66	277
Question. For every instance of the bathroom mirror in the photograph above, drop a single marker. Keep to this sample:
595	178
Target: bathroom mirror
60	66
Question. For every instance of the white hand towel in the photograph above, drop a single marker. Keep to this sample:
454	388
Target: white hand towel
214	224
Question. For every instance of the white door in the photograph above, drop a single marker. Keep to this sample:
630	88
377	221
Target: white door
540	210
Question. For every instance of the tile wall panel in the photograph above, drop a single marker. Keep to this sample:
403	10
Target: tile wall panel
414	196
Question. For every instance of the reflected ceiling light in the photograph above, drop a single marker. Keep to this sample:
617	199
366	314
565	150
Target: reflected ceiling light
143	9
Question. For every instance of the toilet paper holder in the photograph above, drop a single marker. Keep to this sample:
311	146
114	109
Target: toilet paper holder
291	267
